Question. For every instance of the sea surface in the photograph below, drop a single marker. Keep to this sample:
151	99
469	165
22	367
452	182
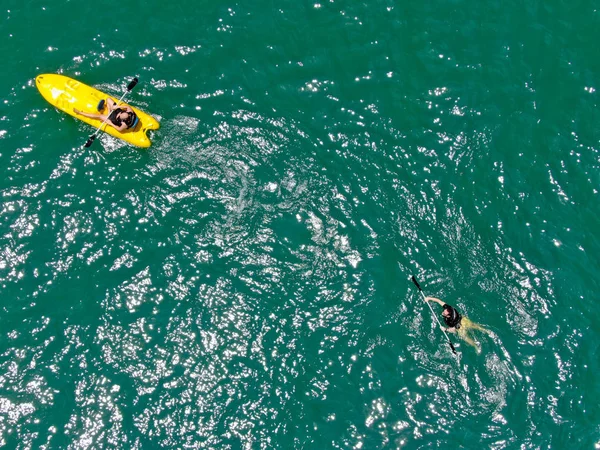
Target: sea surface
245	283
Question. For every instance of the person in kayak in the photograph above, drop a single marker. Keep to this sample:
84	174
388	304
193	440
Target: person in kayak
119	117
457	323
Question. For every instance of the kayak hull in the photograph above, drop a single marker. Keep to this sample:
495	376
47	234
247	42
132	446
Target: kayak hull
66	94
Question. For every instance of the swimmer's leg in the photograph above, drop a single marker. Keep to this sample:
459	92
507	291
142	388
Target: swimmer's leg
468	340
476	326
469	325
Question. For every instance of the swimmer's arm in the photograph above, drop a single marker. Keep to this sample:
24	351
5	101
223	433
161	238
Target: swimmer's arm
437	300
450	330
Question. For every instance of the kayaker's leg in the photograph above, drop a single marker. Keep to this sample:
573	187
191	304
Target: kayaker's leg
101	117
111	104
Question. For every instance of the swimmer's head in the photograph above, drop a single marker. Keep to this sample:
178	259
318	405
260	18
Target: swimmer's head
446	311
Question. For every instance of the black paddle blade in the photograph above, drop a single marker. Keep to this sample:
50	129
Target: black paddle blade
414	280
452	346
90	141
131	85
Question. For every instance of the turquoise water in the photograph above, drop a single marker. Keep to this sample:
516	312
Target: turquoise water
245	282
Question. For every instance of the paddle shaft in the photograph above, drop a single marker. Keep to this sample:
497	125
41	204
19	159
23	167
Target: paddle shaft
414	280
130	86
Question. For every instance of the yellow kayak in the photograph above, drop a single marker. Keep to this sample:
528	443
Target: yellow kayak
67	94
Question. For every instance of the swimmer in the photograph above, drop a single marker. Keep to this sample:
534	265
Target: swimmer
457	323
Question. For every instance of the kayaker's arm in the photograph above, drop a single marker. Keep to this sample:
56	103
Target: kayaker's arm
120	128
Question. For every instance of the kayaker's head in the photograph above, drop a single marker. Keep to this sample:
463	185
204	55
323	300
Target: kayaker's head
124	116
129	118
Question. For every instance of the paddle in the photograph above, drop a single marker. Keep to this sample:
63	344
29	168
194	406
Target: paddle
130	86
414	280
